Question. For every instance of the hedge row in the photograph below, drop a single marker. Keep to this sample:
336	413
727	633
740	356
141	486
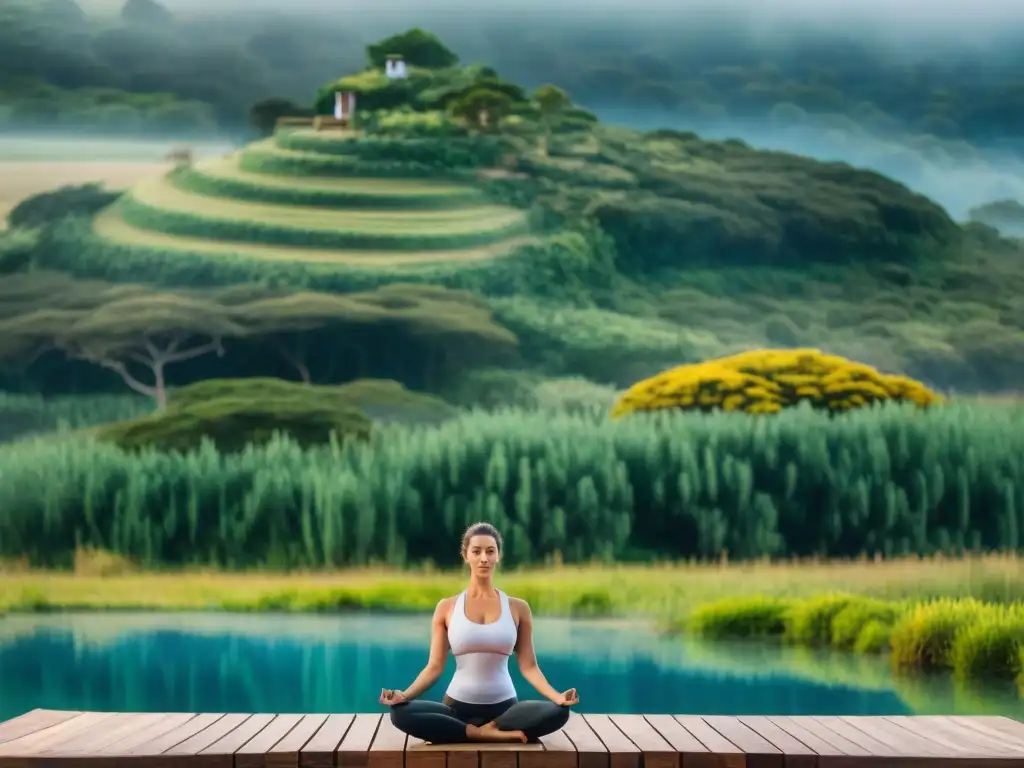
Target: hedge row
258	159
188	225
448	152
194	180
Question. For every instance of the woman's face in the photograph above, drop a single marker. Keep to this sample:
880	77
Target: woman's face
482	555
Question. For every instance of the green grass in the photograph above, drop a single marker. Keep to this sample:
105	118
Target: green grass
223	178
164	194
573	486
972	639
100	580
267	157
158	205
113	229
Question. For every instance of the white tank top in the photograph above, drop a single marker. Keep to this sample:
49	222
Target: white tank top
481	655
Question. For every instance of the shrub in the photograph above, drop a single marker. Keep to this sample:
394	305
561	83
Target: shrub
890	480
768	380
213	185
875	636
850	623
41	209
809	622
990	646
236	418
740	617
923	639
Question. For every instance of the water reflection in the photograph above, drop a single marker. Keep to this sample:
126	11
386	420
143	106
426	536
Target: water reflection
238	663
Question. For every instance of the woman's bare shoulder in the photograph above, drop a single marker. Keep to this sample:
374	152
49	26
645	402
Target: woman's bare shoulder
519	606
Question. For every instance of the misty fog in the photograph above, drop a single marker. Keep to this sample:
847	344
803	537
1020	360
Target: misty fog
532	42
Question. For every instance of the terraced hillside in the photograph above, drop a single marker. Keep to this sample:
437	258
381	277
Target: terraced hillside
303	196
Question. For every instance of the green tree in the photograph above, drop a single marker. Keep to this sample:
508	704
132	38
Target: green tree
126	329
418	47
263	115
432	322
482	108
551	102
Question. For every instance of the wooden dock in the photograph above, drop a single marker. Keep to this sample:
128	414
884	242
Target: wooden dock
51	739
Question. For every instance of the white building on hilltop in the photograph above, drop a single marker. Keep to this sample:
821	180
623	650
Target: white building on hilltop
394	68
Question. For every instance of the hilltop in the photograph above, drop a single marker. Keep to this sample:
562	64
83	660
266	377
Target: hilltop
609	253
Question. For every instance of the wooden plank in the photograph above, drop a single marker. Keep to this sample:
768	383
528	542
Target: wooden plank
387	750
622	752
590	750
165	724
795	754
760	753
692	753
286	753
203	740
1007	725
174	737
874	747
501	758
819	738
319	751
253	754
238	737
416	756
728	754
41	741
354	750
558	752
656	752
955	742
96	739
32	722
982	725
901	741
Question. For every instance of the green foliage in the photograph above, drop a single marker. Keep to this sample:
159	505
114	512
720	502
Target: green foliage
740	618
236	416
924	639
991	646
266	159
809	622
379	399
23	415
861	623
482	107
444	153
195	180
263	115
47	207
418	47
888	480
973	639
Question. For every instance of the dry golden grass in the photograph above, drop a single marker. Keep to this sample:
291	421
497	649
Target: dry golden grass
20	179
105	581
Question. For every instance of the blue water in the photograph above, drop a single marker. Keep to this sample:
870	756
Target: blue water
274	663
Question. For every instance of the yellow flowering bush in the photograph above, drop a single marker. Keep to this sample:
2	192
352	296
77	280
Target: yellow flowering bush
768	380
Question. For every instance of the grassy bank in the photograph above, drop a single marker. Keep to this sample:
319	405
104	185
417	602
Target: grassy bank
101	581
970	638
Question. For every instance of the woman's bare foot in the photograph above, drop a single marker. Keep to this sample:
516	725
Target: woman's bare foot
489	732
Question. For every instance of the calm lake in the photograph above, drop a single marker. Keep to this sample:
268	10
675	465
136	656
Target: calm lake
288	663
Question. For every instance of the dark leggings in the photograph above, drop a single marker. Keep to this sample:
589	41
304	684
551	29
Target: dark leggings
446	723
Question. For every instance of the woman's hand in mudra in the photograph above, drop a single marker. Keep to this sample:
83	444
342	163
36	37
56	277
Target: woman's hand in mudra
390	698
568	698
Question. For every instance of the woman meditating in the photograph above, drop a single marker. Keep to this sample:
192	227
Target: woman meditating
483	627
